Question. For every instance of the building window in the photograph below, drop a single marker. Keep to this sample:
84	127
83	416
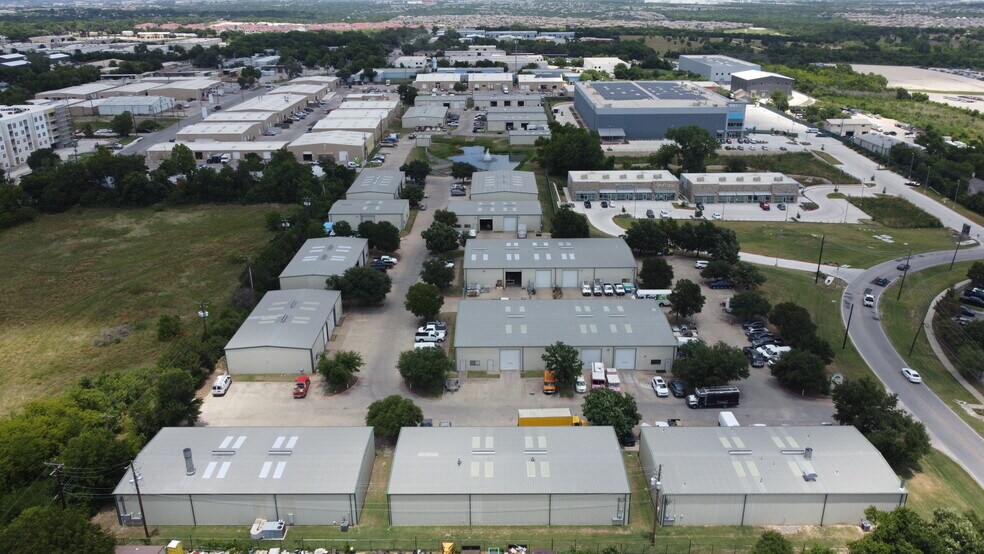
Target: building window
474	362
655	362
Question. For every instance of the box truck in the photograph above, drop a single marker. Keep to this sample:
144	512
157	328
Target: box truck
549	417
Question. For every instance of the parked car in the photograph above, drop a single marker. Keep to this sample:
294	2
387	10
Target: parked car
650	214
597	290
585	289
715	215
587	203
677	388
628	439
609	289
301	386
663	214
388	260
381	266
836	379
604	203
701	264
911	375
428	336
965	311
722	284
580	386
765	206
432	328
780	206
911	183
973	301
437	325
659	385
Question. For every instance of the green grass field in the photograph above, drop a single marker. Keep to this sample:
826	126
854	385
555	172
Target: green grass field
943	483
793	163
72	275
895	212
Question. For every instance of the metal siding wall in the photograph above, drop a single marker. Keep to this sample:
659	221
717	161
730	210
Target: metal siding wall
784	509
645	356
641	125
233	509
532	358
419	510
483	355
487	277
368	196
721	509
365	475
315	509
849	508
510	509
615	274
533	222
260	361
161	509
587	509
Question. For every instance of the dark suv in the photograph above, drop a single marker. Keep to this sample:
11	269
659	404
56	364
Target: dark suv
677	388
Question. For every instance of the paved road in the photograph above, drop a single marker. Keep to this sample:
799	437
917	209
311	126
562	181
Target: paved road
947	430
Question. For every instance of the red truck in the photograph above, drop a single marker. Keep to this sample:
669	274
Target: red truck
301	386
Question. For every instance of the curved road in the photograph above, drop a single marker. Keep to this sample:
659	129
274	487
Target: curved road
948	431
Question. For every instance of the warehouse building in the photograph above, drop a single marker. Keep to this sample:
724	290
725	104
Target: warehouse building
424	116
527	137
355	212
194	476
603	64
287	332
341	121
635	184
222	132
88	91
497	82
331	83
492	100
739	188
388	104
313	93
880	144
183	89
538	82
436	81
508	476
516	119
824	475
848	127
319	259
203	150
450	101
512	335
498	215
267	119
503	184
761	84
715	67
377	184
116	105
284	105
341	146
647	109
382	114
137	88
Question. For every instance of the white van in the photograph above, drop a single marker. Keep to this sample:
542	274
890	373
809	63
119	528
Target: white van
771	351
423	345
221	385
812	130
727	419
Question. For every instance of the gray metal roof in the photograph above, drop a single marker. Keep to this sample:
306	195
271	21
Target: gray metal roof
286	319
496	207
378	180
517	116
327	256
505	180
252	460
515	109
480	97
429	110
359	207
547	253
508	460
767	460
577	322
717	59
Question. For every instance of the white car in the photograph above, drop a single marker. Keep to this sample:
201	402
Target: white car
428	336
869	300
387	259
619	289
431	328
579	385
585	289
659	385
715	215
663	214
911	375
701	264
609	290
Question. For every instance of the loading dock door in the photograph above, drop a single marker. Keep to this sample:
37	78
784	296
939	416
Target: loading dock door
625	358
569	278
543	278
485	224
590	355
510	360
510	224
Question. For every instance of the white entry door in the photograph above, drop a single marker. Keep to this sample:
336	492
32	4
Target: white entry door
510	360
510	223
589	356
543	279
625	358
569	278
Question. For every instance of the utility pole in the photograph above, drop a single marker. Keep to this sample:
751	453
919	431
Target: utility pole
656	483
136	485
823	239
249	268
955	249
916	336
904	273
846	331
56	472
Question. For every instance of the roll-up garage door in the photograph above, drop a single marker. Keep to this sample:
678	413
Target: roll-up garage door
510	223
569	278
543	279
625	358
510	360
590	355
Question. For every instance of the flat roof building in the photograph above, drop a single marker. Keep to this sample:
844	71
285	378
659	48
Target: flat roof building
330	82
341	146
848	127
503	184
451	101
319	259
424	116
739	188
222	132
760	84
512	335
603	64
377	184
355	212
508	476
340	121
490	81
880	144
194	476
87	91
514	121
267	119
183	89
116	105
287	332
389	105
282	104
313	92
203	150
498	215
536	82
527	137
137	88
824	475
436	81
491	100
647	109
714	67
632	184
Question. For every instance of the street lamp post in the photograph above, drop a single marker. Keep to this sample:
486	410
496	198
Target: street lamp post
203	314
307	205
249	268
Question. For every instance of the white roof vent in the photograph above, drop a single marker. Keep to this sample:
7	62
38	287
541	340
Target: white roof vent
778	179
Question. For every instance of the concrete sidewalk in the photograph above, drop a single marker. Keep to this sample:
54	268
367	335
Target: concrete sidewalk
938	350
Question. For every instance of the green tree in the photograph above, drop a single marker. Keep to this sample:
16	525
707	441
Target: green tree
647	236
361	285
610	408
736	165
960	533
976	273
181	161
793	322
900	531
716	269
15	205
407	94
122	124
686	298
168	326
147	126
747	305
462	171
568	224
802	372
389	415
413	193
424	300
747	275
565	361
696	144
53	530
87	130
571	148
43	159
446	217
416	170
436	272
664	156
701	365
342	229
459	87
340	369
385	237
424	369
779	100
248	75
440	237
772	542
96	448
174	394
902	94
656	273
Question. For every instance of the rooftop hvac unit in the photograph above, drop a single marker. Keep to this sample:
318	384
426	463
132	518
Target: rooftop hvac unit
740	179
700	179
722	179
605	176
269	530
622	176
756	178
778	179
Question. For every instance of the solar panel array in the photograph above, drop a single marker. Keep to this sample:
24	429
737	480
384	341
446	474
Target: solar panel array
649	90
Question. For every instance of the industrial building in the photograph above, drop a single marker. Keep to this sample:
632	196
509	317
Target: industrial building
222	132
424	116
539	82
331	83
284	105
824	475
880	144
739	188
603	64
450	101
498	215
183	89
386	107
203	150
848	127
355	212
313	93
385	115
514	119
633	184
508	476
527	137
503	184
88	91
319	259
136	88
491	100
267	119
436	81
377	184
715	67
497	82
512	335
194	476
341	120
287	332
647	109
116	105
761	84
341	146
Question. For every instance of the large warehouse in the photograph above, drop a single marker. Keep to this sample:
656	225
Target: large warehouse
424	116
508	476
825	475
512	335
234	475
355	212
761	83
715	67
222	132
341	146
377	184
647	109
498	215
504	184
287	332
739	188
319	259
636	184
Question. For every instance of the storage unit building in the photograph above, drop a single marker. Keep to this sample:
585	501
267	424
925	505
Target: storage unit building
234	475
540	82
287	332
498	215
321	258
504	184
824	475
341	146
499	82
389	104
761	83
436	81
88	91
424	116
222	132
377	184
137	88
634	184
183	89
715	67
496	100
356	211
512	335
450	101
508	476
203	150
739	188
266	119
338	121
116	105
330	82
284	105
511	120
314	93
